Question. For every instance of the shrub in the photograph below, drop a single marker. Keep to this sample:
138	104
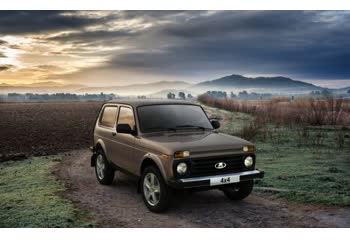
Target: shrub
304	111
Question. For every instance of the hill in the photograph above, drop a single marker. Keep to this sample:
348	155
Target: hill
259	84
138	89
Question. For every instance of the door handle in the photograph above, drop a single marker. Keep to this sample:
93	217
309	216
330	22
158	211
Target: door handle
113	133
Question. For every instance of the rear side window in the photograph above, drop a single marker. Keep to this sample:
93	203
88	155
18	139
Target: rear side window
108	116
126	116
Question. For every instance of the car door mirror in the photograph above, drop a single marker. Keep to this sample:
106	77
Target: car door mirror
124	128
215	123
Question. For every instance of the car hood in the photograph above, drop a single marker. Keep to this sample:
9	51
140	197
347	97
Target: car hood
198	143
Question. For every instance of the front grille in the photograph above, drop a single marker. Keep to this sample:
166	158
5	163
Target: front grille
200	167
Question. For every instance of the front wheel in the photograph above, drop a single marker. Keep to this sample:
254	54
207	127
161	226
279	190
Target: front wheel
104	172
155	192
239	191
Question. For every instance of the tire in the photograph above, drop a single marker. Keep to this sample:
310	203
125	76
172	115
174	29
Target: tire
156	195
104	172
239	191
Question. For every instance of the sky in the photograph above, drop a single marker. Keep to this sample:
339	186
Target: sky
104	48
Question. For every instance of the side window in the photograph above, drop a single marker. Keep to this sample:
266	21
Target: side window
108	116
126	116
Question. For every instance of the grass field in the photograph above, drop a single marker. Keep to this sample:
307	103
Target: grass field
30	196
305	169
312	169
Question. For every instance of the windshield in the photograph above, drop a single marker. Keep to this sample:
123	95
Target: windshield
172	118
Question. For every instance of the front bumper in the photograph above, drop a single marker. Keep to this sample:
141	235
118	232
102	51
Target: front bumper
198	182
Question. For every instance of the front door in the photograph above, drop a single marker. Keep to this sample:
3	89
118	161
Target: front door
123	151
106	129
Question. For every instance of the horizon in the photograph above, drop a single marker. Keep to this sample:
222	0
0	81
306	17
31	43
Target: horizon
331	85
120	48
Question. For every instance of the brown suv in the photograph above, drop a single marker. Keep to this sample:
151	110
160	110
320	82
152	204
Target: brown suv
170	145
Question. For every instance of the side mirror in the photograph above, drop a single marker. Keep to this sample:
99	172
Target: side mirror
215	123
124	128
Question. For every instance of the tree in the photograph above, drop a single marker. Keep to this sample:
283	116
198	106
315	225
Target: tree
189	95
182	95
243	94
217	94
171	95
326	93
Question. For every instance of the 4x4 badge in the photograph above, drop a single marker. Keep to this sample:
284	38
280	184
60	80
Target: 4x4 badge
220	165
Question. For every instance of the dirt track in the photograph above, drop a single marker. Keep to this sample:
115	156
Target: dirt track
119	205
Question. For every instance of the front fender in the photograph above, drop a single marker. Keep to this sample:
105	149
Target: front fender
162	164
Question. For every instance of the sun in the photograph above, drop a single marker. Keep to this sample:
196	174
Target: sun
11	49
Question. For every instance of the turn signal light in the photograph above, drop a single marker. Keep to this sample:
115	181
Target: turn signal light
249	148
165	156
182	154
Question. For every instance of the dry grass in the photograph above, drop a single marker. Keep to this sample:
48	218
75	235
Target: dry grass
299	115
299	112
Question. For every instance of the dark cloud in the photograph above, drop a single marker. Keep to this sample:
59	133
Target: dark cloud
299	44
240	22
312	45
31	22
5	67
2	55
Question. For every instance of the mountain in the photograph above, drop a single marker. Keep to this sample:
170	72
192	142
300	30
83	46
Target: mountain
138	89
42	84
40	87
234	83
50	84
259	84
344	90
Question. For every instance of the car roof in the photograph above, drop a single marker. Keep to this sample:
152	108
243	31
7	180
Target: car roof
145	102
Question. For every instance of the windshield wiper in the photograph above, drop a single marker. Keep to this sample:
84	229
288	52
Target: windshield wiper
191	126
158	129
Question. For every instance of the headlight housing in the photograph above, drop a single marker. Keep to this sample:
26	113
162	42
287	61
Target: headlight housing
181	168
248	162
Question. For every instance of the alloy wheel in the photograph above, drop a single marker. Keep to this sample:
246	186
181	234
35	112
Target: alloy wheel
151	189
100	166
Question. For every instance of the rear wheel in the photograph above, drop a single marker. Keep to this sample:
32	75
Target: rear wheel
239	191
104	172
155	192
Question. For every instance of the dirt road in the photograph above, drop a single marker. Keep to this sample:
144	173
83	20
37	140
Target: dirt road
119	205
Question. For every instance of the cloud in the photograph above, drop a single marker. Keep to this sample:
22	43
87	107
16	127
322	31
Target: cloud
183	44
32	22
5	67
295	43
89	36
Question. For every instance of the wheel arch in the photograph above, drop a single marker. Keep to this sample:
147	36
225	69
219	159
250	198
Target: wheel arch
98	146
149	160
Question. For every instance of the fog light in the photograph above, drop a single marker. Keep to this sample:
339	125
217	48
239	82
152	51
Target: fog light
181	168
248	161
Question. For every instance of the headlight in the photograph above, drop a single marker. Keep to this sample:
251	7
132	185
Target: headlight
182	154
181	168
249	149
248	161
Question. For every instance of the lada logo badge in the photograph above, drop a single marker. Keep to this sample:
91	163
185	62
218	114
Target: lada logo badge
220	165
